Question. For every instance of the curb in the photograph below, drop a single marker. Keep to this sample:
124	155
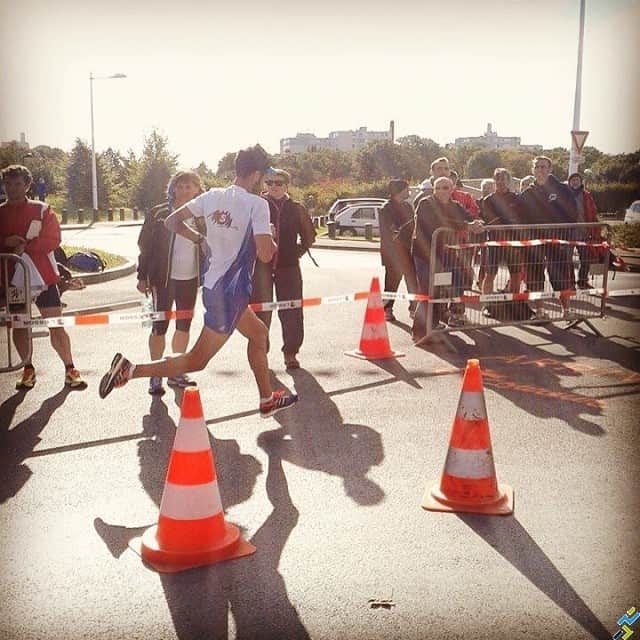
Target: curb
105	308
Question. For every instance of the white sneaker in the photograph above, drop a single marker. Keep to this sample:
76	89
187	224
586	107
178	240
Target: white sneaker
182	381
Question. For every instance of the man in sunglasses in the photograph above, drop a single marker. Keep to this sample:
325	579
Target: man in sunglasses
237	231
294	234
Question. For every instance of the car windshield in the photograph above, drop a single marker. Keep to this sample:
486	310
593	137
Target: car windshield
635	207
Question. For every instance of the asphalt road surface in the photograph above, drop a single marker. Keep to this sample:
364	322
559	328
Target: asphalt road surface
330	491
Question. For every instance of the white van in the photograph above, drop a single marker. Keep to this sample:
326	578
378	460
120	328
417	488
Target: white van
343	203
352	220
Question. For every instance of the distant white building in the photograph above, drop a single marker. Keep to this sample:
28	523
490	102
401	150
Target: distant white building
340	140
491	140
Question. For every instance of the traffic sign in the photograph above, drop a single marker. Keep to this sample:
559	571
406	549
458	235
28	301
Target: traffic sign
579	138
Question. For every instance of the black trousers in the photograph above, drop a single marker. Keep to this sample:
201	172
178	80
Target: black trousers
287	282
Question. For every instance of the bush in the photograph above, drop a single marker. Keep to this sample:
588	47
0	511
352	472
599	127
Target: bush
626	235
613	196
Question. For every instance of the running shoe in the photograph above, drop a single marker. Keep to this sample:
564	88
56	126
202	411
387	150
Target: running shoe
181	381
155	386
28	379
117	376
279	400
73	379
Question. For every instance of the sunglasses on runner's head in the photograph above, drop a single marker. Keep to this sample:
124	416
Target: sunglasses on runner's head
275	183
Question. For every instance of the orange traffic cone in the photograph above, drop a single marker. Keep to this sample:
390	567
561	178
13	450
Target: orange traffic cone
468	482
374	342
191	529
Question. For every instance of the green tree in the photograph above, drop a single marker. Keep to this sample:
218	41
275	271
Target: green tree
208	177
78	178
517	161
482	163
115	170
226	166
157	164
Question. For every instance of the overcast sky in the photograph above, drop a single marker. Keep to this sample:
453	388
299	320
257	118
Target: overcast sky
214	77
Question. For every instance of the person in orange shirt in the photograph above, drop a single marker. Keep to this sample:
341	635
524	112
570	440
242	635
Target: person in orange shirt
30	227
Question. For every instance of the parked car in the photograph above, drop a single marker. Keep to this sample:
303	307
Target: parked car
352	220
633	212
343	203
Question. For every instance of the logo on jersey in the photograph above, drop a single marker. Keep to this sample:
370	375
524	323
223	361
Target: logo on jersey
221	218
553	197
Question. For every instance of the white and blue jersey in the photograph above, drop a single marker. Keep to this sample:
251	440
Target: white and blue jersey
232	217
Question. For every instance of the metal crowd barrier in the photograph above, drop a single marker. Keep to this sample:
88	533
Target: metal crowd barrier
13	300
516	274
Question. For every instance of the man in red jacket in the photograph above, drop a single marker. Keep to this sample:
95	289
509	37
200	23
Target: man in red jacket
30	227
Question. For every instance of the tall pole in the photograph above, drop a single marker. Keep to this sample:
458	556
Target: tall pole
94	179
575	152
94	176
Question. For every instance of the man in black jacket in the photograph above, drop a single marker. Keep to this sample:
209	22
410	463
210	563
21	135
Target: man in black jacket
396	232
498	208
294	234
549	201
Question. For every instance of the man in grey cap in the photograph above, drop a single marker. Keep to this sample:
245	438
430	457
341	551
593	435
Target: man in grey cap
237	231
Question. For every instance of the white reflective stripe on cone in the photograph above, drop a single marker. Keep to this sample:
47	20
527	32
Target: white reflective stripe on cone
472	406
375	300
373	331
469	463
192	435
191	502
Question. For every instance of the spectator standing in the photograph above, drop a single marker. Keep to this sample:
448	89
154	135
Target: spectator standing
549	201
40	189
440	210
396	231
500	208
168	267
587	212
237	230
31	228
294	235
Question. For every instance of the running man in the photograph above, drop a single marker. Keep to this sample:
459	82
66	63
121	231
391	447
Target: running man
237	231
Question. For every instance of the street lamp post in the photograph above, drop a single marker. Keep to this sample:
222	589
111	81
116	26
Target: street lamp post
94	177
576	144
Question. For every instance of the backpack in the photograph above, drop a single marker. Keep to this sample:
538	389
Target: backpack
86	261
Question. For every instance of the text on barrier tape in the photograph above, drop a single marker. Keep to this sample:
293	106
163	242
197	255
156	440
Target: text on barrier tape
21	321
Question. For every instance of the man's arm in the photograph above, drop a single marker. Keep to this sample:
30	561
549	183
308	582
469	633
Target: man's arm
175	222
265	247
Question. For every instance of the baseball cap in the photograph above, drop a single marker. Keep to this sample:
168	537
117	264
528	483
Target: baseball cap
253	159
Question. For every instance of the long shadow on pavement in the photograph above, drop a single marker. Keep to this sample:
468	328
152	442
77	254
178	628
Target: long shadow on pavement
200	600
509	538
314	436
535	380
17	444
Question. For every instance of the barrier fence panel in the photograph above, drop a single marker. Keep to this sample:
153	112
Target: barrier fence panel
516	274
15	298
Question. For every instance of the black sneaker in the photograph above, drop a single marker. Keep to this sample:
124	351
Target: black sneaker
117	376
279	400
